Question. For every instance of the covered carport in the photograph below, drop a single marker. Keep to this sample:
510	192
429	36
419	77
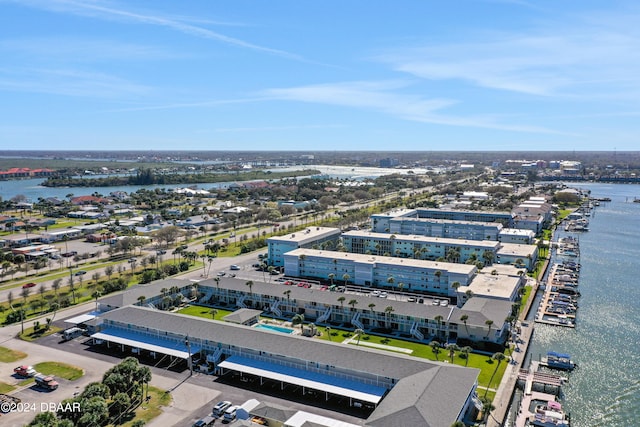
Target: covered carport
153	344
357	392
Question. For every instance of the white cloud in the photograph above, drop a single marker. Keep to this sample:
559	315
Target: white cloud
104	10
382	96
68	82
566	58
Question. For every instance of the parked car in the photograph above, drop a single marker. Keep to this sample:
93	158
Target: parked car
230	413
221	407
80	273
25	371
221	273
234	267
205	422
28	285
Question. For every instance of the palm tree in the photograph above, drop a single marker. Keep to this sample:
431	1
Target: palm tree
298	319
287	293
499	357
388	310
249	283
331	277
371	307
359	332
438	274
213	312
455	286
438	320
458	424
141	300
489	323
464	319
346	278
96	294
391	281
435	346
353	303
452	348
328	330
54	307
487	407
341	301
466	350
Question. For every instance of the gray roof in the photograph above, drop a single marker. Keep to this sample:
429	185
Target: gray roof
273	411
426	393
480	310
432	398
357	359
331	298
148	290
241	316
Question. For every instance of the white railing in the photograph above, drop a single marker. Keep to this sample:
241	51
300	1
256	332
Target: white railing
355	321
416	332
206	296
324	316
275	309
240	302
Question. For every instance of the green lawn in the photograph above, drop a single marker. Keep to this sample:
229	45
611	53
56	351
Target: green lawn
6	388
205	312
150	409
480	361
30	334
8	356
59	369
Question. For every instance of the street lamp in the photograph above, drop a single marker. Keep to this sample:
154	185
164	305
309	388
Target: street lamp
189	362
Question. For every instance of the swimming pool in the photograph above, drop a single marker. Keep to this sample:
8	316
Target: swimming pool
275	328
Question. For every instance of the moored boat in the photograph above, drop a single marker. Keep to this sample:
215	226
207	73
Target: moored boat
555	360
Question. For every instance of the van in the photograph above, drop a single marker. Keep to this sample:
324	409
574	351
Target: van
72	333
230	413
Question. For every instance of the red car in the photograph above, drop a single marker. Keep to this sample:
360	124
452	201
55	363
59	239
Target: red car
28	285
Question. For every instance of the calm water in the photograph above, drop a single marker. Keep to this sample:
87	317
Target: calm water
605	389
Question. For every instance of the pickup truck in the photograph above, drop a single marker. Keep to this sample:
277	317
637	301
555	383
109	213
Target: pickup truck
25	371
46	382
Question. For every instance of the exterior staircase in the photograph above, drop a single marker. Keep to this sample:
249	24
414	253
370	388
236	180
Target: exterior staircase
275	309
415	331
240	302
355	321
324	316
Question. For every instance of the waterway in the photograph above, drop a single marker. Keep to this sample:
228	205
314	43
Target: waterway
32	188
605	390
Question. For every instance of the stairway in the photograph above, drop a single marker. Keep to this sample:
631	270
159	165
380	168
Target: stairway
415	331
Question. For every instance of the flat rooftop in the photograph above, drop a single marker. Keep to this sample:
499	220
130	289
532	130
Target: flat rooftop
488	244
308	234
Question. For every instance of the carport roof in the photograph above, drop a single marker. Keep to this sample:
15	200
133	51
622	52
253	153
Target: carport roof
147	342
82	318
315	380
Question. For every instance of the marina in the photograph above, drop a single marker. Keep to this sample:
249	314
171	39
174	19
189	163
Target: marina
559	304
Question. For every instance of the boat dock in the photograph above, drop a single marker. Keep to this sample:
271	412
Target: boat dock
527	406
559	303
535	380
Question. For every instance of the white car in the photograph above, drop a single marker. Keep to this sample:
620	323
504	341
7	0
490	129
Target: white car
234	267
375	293
221	407
382	295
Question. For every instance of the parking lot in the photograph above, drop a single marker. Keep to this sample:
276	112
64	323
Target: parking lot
209	389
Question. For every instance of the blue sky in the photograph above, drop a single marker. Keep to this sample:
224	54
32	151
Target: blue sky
328	75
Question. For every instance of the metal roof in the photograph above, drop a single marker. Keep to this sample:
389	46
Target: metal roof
314	380
146	342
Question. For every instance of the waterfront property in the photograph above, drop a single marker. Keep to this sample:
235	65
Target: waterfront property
310	237
481	321
381	223
436	278
419	247
396	389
